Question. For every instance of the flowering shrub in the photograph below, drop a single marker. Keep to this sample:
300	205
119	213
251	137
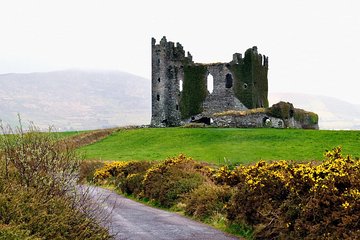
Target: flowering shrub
298	200
117	170
110	169
279	199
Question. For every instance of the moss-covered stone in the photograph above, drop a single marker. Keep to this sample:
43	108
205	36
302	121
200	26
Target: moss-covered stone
194	90
283	110
251	85
286	111
307	119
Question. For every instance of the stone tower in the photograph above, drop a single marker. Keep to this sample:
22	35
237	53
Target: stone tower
168	61
180	87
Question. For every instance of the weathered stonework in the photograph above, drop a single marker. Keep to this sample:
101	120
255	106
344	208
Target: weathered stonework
181	91
256	120
168	61
180	88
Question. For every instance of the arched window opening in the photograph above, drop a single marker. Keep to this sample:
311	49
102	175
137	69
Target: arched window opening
180	85
158	97
158	79
210	83
228	81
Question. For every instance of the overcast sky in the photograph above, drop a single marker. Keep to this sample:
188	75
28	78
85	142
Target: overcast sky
313	45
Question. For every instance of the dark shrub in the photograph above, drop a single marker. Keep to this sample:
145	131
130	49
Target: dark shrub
87	170
206	200
166	182
132	184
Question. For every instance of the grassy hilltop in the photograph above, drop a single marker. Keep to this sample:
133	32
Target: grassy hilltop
217	144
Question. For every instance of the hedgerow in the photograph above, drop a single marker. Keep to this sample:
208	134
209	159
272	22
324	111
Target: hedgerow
278	199
162	182
290	200
38	194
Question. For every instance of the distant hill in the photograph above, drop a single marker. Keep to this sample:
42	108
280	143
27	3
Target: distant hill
75	99
333	113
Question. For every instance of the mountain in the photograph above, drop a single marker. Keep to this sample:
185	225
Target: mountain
333	113
75	99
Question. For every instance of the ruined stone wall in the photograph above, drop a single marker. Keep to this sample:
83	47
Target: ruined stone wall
167	71
223	97
257	120
261	120
251	82
238	85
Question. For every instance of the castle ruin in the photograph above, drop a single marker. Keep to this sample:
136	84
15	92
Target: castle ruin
181	88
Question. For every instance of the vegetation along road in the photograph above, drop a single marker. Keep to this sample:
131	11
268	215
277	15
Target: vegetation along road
131	220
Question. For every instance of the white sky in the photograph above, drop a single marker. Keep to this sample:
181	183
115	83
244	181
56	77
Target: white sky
313	45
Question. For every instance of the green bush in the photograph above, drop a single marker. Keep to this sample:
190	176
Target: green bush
168	181
87	170
132	184
207	200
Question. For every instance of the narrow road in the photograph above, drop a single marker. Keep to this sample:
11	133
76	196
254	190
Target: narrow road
131	220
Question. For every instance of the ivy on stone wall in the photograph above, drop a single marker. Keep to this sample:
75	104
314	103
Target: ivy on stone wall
283	110
194	90
251	85
303	116
242	85
286	110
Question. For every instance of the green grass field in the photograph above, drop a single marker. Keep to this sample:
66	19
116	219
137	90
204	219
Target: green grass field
218	145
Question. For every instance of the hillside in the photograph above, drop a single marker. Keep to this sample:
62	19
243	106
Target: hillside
219	145
75	99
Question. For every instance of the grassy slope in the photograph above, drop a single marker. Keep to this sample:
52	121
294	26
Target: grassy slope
215	144
69	134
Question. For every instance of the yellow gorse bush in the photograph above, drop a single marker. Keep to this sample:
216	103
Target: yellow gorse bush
304	199
162	166
110	169
334	172
278	199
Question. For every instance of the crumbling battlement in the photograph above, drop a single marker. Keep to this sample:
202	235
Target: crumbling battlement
180	87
